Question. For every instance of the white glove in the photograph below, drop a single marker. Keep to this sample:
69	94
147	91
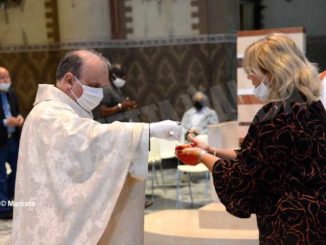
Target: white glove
169	130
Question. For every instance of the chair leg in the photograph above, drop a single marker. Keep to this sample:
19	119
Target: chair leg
152	178
178	189
189	185
155	175
206	184
162	175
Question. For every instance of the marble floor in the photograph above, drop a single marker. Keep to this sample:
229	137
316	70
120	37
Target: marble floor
164	196
5	230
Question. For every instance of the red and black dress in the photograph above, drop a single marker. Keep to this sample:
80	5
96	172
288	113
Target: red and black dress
280	174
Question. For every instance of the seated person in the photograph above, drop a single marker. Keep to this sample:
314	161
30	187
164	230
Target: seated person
114	104
196	119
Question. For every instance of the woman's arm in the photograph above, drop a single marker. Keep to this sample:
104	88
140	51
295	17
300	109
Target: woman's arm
208	159
220	153
194	155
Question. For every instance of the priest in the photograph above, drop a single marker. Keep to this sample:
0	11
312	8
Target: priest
79	181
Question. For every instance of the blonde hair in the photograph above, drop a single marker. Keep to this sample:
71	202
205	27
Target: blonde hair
279	56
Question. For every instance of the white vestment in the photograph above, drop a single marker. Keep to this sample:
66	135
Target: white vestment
85	178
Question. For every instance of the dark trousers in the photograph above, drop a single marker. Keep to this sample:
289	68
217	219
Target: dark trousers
9	154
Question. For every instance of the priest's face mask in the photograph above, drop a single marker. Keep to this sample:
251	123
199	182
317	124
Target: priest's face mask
90	98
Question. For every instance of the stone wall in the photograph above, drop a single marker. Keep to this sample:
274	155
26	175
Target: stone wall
162	74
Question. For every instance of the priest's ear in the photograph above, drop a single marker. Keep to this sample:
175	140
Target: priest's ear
68	78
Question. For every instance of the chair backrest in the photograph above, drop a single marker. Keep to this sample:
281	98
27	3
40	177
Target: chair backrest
203	137
167	148
154	153
224	135
199	168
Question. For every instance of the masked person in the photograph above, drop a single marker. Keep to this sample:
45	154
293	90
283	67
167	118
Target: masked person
196	119
79	181
279	171
114	105
10	124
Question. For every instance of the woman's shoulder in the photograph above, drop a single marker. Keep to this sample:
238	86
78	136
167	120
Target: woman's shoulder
269	111
287	109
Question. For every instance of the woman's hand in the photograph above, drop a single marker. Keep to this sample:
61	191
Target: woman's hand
198	143
188	154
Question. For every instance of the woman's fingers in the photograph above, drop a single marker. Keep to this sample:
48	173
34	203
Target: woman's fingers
187	156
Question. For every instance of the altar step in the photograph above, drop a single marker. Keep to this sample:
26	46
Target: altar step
209	225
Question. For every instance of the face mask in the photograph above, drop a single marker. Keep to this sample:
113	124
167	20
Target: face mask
90	98
4	87
198	105
118	82
262	90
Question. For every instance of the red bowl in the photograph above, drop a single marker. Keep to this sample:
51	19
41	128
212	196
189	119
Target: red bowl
186	159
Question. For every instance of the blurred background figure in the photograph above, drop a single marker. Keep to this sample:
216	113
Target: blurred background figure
196	119
114	104
10	124
323	87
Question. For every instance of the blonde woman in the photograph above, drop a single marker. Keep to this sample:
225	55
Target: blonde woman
279	171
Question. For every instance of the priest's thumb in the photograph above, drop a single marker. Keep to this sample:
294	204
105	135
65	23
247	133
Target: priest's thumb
169	130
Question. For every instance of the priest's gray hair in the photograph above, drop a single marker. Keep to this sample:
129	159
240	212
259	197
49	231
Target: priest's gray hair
73	61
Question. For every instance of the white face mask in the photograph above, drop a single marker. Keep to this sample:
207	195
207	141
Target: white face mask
262	90
90	98
4	87
118	82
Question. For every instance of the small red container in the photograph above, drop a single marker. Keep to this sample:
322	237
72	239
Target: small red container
186	159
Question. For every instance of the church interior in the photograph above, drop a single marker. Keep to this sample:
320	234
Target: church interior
170	50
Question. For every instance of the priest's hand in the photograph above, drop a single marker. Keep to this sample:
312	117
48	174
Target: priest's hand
169	130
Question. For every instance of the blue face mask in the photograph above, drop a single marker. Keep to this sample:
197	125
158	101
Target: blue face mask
90	98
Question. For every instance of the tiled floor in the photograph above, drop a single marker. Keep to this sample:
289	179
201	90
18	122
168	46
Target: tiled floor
164	196
5	229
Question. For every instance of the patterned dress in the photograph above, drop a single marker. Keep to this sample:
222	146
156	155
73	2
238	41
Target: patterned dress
280	174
